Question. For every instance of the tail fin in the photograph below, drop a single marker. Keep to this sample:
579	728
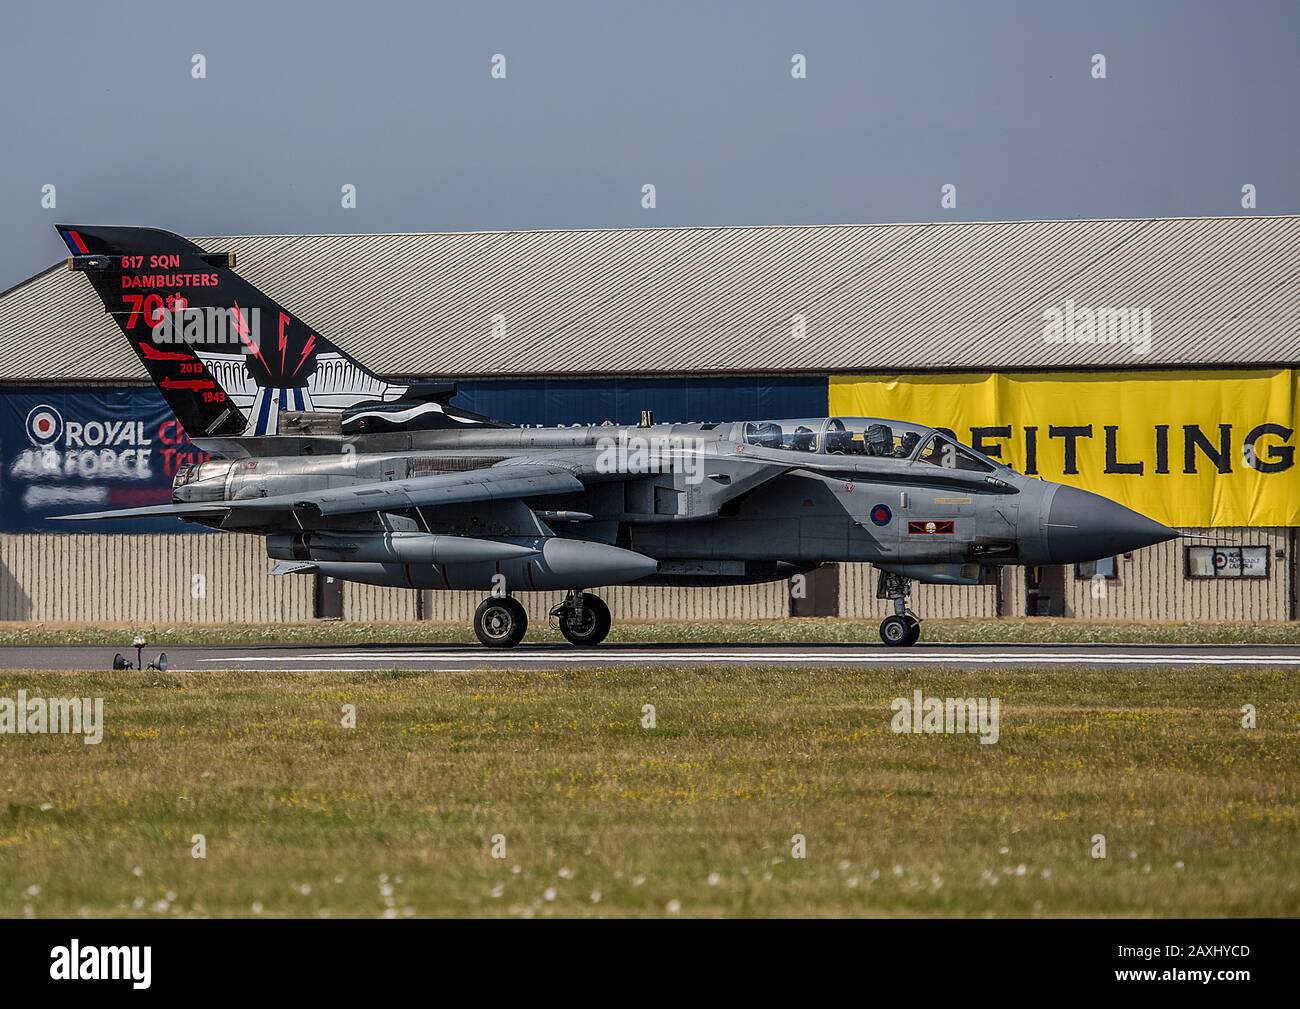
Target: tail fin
229	360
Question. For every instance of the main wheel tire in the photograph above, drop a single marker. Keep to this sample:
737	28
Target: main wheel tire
594	626
897	632
915	635
500	622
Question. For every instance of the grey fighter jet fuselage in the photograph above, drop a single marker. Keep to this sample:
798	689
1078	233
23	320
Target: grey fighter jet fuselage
357	477
683	504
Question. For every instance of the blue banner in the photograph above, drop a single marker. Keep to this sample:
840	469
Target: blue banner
68	450
65	451
555	401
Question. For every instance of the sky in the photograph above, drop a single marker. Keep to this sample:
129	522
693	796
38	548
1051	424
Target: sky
600	99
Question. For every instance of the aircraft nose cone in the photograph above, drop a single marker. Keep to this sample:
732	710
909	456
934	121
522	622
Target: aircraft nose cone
1082	526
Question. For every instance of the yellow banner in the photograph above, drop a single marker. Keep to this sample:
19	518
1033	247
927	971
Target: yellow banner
1203	448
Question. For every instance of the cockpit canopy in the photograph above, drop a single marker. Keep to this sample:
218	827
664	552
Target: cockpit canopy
866	436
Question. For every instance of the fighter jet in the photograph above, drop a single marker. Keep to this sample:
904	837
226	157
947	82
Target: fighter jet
354	476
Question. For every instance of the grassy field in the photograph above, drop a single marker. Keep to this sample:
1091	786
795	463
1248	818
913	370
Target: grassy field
695	817
1033	630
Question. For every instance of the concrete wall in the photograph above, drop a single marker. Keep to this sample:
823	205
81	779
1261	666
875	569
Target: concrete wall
222	578
743	602
376	603
185	578
1152	584
151	579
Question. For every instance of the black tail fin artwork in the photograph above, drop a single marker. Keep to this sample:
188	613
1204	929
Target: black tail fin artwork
229	360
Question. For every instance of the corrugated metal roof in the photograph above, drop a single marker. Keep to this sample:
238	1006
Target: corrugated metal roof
1222	291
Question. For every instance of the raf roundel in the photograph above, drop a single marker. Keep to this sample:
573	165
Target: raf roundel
880	515
44	425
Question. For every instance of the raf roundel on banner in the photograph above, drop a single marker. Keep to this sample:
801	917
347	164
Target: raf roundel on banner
44	425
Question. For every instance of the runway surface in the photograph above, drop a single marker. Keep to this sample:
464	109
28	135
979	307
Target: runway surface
466	658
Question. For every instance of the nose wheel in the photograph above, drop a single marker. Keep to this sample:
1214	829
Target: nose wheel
900	631
582	618
500	622
903	628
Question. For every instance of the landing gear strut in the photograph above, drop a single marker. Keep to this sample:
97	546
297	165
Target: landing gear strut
904	627
500	622
583	619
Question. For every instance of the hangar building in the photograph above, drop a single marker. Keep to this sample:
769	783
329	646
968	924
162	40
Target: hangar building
1151	360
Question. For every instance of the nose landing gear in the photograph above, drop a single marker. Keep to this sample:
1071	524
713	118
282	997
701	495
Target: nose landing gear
903	628
900	630
582	618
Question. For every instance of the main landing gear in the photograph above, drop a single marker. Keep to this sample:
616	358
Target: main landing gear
904	627
583	619
500	622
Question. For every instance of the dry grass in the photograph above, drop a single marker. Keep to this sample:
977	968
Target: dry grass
1025	630
603	817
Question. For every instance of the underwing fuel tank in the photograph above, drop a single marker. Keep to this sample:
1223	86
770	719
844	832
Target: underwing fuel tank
398	548
547	563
